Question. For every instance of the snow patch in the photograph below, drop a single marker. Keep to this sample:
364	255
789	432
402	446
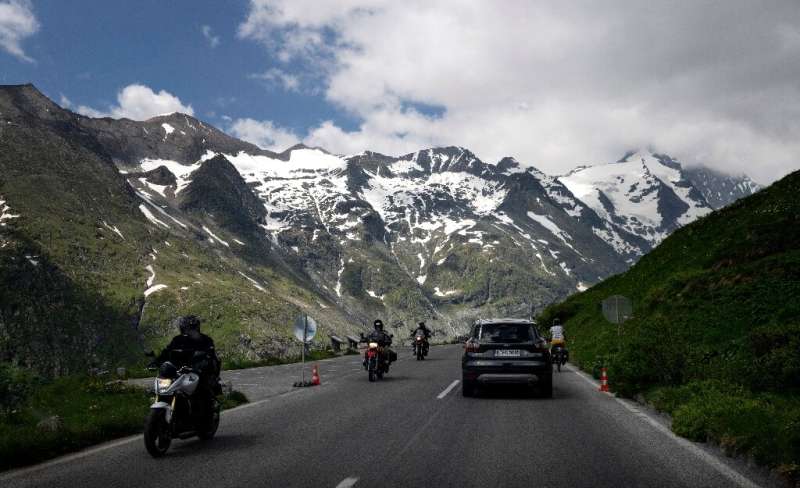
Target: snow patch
156	188
5	212
208	231
113	229
168	129
254	282
374	295
153	289
181	171
440	293
152	218
152	276
339	278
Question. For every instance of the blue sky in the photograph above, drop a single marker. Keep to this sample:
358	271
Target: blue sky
89	50
553	84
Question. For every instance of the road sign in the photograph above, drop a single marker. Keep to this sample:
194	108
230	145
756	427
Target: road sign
617	309
305	328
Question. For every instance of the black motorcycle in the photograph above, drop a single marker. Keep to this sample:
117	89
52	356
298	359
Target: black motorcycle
181	408
420	346
559	356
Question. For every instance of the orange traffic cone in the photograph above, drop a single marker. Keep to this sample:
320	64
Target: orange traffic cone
603	380
315	376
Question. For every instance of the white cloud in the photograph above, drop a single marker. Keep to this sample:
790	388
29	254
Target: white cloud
139	102
263	134
276	76
553	83
213	40
17	22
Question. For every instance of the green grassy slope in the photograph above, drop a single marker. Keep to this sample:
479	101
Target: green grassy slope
72	287
715	338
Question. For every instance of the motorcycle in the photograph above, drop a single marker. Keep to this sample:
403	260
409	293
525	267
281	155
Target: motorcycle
559	356
420	347
176	413
375	361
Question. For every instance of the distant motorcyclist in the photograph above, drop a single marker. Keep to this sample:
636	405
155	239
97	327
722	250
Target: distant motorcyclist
422	328
181	351
383	339
558	336
379	335
425	332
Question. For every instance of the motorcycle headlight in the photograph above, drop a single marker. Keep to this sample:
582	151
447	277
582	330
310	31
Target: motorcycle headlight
163	383
373	344
419	338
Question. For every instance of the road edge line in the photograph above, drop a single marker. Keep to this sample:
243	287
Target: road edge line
709	459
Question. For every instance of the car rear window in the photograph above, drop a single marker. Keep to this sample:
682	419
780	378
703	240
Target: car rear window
504	333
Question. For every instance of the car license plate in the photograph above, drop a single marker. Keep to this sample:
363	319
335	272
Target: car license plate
507	353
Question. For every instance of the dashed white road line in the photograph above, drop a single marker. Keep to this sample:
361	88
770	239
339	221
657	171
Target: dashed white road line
712	461
347	482
448	389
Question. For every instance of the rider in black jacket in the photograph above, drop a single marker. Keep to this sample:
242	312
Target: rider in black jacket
426	333
383	339
425	330
181	351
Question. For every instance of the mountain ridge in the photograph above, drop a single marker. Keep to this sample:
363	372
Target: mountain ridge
436	234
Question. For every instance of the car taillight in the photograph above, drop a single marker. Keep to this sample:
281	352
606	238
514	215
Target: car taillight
471	347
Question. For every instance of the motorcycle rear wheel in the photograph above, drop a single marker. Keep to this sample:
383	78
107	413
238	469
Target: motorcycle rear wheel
156	433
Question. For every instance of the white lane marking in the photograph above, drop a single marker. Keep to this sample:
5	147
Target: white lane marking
448	389
709	459
347	482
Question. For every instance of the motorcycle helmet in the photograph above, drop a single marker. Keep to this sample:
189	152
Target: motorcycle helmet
378	324
187	323
556	321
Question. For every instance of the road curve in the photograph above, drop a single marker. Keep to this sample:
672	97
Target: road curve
412	429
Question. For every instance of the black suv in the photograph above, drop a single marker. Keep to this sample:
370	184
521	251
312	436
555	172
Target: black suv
506	351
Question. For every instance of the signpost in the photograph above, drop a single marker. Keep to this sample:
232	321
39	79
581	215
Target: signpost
305	328
617	309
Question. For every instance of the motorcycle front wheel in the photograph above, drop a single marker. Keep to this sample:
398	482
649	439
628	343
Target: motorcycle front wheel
372	375
156	433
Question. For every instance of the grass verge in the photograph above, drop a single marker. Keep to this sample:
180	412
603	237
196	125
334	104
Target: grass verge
71	413
235	363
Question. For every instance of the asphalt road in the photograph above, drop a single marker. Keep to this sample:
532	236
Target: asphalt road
412	429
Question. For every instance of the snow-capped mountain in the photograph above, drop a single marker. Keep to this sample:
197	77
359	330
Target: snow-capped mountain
436	234
640	199
720	189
